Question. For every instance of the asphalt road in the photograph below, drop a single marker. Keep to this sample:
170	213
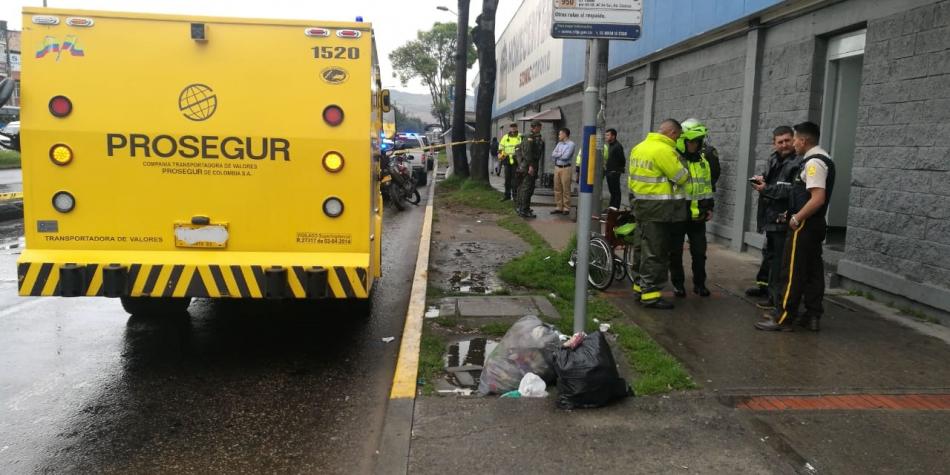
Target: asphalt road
11	180
236	388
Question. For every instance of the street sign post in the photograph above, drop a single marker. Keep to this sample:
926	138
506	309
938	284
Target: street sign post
597	19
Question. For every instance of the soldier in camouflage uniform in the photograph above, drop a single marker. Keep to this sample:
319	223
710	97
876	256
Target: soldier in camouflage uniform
532	151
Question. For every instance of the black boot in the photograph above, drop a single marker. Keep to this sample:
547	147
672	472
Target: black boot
772	325
757	291
659	304
679	291
701	290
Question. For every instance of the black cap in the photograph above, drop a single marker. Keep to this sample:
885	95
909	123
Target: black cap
535	123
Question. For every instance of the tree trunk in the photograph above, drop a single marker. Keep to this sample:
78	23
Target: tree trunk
484	38
460	158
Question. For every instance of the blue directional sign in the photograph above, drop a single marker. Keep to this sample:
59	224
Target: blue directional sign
597	19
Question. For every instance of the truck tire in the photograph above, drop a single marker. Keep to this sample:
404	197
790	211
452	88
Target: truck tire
151	306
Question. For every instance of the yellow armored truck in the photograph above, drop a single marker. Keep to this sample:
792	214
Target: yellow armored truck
169	157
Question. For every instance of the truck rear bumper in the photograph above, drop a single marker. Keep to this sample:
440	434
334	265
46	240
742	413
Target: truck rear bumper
275	275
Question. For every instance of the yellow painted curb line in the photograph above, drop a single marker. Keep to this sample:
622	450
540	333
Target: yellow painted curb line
12	195
407	366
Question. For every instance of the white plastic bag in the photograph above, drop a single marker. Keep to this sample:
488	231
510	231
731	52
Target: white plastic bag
532	386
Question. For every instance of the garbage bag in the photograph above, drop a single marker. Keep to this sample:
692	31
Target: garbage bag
587	375
532	386
527	347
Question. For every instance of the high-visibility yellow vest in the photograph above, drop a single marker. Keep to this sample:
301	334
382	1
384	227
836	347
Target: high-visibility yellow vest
655	169
508	145
699	185
578	159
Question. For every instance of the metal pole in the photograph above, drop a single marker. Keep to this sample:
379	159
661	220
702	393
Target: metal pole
601	83
586	187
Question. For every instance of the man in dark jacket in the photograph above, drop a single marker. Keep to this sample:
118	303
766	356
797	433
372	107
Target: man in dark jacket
615	163
773	186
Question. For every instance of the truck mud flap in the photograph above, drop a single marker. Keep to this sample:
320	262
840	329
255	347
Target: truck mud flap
203	281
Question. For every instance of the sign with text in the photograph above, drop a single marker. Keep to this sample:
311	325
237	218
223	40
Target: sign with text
597	19
528	57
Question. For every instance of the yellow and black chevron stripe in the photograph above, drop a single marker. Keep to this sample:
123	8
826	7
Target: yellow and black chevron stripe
169	280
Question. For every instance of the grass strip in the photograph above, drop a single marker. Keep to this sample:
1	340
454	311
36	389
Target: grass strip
9	159
431	365
543	268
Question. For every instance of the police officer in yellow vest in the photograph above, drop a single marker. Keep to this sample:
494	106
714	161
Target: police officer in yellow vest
697	210
656	180
506	155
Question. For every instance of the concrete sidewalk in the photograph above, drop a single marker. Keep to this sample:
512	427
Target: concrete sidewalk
728	425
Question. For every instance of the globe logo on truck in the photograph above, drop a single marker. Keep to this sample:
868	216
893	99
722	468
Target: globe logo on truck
197	102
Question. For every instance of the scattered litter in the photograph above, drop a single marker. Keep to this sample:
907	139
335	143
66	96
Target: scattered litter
575	340
532	386
809	467
548	257
512	394
596	321
432	312
388	339
587	375
604	327
478	221
456	391
552	295
527	347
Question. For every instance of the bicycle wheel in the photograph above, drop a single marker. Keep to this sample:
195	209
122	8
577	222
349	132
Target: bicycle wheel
628	262
620	270
600	272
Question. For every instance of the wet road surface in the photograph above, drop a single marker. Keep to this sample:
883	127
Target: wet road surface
235	387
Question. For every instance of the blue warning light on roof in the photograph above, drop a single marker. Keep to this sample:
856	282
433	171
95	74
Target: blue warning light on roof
359	19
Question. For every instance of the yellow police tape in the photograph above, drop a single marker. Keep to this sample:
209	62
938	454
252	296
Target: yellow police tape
435	147
10	196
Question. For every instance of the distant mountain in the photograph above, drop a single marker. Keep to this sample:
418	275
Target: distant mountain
420	105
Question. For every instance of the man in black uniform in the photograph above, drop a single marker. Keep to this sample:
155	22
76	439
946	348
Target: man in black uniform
529	161
615	163
774	186
802	267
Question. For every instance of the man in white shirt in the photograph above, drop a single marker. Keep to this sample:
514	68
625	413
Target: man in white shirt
803	275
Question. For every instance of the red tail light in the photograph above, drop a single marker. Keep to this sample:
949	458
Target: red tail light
348	33
318	32
333	115
60	106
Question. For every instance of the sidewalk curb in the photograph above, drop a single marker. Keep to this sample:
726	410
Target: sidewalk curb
393	453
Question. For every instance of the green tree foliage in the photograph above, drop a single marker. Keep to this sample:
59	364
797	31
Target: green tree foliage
407	123
431	59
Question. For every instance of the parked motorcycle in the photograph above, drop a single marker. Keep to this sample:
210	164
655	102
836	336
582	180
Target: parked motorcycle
397	183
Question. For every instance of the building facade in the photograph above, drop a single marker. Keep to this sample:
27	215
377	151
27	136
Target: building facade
874	74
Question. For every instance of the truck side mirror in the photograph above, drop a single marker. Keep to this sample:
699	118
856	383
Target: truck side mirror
6	90
387	104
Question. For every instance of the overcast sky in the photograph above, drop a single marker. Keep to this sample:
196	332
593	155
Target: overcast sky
394	26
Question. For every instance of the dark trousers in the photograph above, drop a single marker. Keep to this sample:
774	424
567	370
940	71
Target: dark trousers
803	271
509	171
613	186
696	231
525	192
775	244
654	254
765	267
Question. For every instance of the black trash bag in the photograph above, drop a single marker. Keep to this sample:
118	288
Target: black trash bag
587	375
